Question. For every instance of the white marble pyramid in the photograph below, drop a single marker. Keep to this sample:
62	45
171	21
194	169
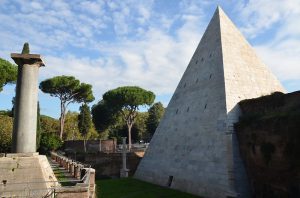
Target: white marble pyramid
194	148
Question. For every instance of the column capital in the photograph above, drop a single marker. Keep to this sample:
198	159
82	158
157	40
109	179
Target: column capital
31	59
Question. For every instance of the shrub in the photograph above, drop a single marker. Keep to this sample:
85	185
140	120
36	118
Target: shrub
50	142
6	127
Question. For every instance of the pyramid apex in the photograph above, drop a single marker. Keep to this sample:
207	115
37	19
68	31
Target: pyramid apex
219	11
219	8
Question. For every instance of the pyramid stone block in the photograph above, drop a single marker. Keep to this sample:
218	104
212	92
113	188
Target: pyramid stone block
194	148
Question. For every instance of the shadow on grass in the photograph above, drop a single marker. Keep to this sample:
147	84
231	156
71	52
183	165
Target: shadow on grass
62	178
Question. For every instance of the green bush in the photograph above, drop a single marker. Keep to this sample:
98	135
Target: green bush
50	142
6	127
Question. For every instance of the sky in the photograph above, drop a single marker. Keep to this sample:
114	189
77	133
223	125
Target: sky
147	43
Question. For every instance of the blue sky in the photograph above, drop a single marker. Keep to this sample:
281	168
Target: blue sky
146	43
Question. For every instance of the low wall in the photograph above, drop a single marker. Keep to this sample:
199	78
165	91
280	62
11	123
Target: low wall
91	145
108	164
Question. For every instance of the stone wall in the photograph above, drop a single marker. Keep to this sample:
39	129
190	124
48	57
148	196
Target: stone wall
109	164
91	145
269	136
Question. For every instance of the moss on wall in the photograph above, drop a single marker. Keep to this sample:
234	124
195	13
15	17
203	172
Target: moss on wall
269	139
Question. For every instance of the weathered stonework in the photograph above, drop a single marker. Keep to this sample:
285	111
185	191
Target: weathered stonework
194	148
25	118
26	175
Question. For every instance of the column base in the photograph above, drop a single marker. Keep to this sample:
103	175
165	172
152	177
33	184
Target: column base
124	173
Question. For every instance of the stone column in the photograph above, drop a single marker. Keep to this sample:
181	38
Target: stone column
69	165
25	115
92	182
78	171
124	171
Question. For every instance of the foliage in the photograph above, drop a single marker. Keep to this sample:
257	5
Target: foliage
138	131
71	130
13	101
103	116
50	141
140	126
128	97
127	100
6	113
262	105
92	134
133	188
84	120
49	124
116	132
121	130
68	90
38	127
104	135
26	49
155	114
6	127
8	73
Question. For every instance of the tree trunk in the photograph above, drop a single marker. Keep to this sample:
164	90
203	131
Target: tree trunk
62	119
129	136
84	142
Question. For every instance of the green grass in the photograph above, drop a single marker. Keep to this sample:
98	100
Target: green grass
59	175
62	178
132	188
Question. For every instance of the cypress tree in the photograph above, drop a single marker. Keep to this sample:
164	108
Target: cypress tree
84	122
155	114
38	127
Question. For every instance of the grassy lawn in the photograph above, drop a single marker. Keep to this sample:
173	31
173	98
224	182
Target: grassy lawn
62	178
132	188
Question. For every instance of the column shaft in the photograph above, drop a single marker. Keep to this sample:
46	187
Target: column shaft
25	115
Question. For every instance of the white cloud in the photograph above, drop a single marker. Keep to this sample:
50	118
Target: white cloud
134	42
258	16
156	61
280	52
283	60
94	8
52	24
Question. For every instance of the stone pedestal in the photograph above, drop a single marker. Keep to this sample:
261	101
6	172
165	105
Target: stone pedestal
25	115
92	181
124	171
77	171
72	168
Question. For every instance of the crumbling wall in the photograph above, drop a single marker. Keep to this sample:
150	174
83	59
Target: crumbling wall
91	145
108	164
269	140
